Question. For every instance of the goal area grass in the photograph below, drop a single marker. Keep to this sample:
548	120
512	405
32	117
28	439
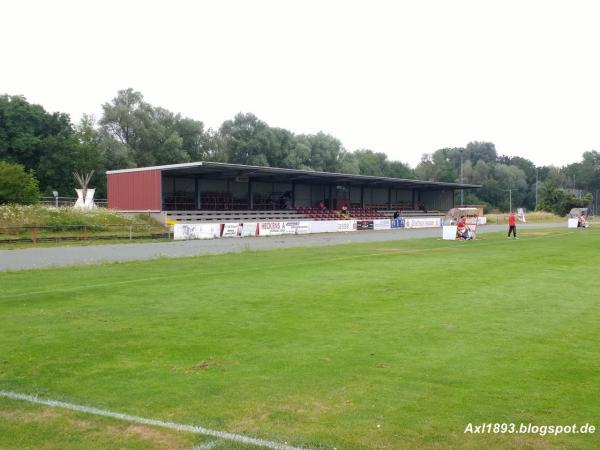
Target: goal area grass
383	345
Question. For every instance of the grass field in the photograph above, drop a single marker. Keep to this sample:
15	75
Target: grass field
371	346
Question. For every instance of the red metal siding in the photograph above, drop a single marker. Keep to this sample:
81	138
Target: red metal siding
135	191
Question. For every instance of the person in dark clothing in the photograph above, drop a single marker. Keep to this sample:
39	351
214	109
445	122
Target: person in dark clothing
396	214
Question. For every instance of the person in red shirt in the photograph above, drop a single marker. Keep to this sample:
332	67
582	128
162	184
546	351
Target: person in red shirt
462	230
512	225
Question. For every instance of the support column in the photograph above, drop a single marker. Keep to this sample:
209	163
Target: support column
330	198
293	195
389	198
414	199
250	196
196	193
227	190
174	206
362	196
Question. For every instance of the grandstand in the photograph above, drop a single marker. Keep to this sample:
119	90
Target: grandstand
219	192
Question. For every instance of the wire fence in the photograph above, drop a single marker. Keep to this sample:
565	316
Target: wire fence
69	201
51	233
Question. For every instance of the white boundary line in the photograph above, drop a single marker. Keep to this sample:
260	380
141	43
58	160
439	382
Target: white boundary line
152	422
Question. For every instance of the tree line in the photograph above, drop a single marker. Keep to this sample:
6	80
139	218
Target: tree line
39	151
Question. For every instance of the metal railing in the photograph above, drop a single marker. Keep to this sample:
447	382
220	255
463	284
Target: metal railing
69	201
49	233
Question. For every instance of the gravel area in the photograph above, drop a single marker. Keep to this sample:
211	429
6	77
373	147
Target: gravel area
36	258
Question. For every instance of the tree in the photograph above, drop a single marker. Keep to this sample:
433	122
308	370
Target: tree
397	169
122	119
298	155
150	135
246	139
485	151
560	201
17	185
25	127
372	163
326	152
349	164
194	140
43	143
92	154
441	165
505	177
426	170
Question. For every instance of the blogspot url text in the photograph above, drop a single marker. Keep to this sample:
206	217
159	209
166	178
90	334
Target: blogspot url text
528	428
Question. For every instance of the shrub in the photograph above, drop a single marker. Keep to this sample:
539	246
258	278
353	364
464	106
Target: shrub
560	201
17	185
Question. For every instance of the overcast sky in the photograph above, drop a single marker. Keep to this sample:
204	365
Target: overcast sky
401	77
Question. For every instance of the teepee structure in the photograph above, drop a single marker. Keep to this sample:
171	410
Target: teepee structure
85	195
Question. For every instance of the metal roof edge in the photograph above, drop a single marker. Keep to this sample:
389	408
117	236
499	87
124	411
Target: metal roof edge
306	172
164	167
364	177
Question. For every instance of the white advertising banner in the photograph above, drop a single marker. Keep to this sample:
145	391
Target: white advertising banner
572	223
303	227
196	231
423	222
382	224
291	227
249	229
232	230
345	225
271	228
323	226
280	228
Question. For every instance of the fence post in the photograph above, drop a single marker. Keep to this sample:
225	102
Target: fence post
34	235
85	233
130	231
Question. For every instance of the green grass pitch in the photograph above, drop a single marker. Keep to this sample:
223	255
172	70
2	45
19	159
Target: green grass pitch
368	346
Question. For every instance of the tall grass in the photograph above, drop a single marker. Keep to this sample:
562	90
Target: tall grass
62	219
533	217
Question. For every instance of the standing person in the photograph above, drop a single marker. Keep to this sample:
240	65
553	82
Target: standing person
512	225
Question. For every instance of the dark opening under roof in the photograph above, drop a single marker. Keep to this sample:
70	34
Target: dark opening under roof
277	174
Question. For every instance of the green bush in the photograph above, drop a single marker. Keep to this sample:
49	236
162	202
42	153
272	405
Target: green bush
17	185
560	201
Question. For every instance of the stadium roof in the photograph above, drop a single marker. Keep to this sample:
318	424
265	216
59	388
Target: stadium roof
278	174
